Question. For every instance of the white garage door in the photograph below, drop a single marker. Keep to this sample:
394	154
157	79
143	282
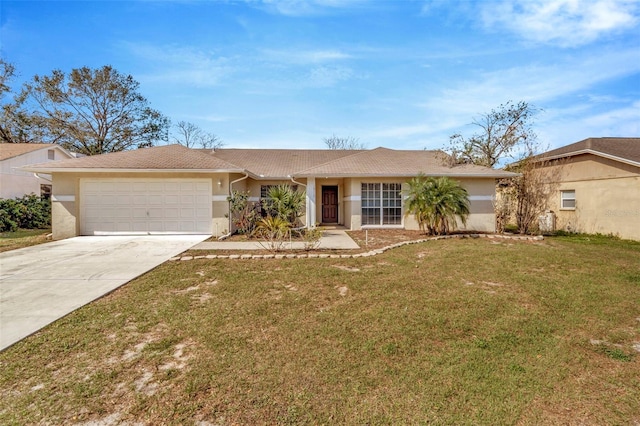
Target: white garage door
145	206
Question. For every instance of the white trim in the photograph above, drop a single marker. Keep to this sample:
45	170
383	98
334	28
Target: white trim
562	199
219	197
593	152
63	198
480	198
253	199
352	198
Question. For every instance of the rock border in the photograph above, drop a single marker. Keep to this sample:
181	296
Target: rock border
376	252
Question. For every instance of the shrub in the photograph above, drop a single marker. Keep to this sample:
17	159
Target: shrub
273	231
244	214
28	212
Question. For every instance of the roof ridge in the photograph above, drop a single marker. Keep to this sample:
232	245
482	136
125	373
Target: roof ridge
365	151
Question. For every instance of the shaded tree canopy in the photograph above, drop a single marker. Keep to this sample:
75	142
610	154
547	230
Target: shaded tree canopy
192	136
504	133
15	126
348	142
90	111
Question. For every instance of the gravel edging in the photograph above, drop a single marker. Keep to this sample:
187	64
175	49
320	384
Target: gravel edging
375	252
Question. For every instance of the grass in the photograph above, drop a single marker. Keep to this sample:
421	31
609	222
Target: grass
473	331
22	238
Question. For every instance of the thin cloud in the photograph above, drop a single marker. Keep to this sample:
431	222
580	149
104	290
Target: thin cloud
567	23
184	65
302	56
535	83
298	8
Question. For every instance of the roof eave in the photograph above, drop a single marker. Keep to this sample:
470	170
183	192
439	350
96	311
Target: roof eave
590	151
50	170
409	175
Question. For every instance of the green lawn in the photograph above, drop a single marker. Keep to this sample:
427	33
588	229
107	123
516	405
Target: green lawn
473	331
22	238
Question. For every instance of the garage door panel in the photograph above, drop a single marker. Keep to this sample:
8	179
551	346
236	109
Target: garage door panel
139	213
202	214
139	187
155	199
155	213
123	200
150	205
171	200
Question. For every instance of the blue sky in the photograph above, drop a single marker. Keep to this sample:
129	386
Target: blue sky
404	74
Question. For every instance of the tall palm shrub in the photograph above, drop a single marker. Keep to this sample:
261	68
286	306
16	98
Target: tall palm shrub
437	203
285	203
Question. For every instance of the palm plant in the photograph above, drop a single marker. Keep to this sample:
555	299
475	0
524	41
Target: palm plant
437	203
285	203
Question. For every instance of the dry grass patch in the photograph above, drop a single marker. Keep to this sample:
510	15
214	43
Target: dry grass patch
452	332
23	238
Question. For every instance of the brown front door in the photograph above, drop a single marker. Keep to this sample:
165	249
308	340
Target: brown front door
329	204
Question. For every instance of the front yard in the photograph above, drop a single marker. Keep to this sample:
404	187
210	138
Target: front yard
472	331
22	238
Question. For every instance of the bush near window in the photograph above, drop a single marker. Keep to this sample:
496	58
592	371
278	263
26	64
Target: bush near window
28	212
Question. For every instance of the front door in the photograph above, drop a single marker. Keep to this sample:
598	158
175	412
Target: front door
329	204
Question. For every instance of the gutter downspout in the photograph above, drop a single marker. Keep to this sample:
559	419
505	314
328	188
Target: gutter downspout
40	177
246	175
306	225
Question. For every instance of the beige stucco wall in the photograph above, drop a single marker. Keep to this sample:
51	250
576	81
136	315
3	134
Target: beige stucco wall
481	191
15	183
65	199
607	197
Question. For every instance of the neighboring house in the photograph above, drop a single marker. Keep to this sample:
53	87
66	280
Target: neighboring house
598	186
15	182
173	189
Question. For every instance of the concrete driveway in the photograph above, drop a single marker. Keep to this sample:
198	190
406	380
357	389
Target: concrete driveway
43	283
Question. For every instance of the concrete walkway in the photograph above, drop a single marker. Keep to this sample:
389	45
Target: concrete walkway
43	283
332	239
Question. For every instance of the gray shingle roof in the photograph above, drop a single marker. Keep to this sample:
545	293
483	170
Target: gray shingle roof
623	148
388	162
10	150
275	163
166	157
279	163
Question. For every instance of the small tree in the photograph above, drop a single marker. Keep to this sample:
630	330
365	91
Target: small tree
437	203
192	136
349	142
529	193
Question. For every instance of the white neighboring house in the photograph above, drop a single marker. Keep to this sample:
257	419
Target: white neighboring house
16	183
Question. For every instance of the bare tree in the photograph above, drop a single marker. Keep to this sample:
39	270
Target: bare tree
349	142
505	132
525	197
192	136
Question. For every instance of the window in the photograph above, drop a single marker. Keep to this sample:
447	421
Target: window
381	203
45	191
51	154
568	200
